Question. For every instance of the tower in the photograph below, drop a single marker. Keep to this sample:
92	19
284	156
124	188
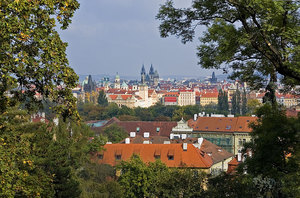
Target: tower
117	84
143	75
151	73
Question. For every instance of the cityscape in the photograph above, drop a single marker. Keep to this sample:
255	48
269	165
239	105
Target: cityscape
99	99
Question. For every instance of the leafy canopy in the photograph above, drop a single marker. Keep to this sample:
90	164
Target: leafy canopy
257	39
32	55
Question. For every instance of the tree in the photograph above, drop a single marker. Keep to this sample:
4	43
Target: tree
244	103
22	157
252	105
223	102
115	133
102	100
33	58
275	149
257	39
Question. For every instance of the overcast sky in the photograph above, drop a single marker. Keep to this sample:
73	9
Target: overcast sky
109	36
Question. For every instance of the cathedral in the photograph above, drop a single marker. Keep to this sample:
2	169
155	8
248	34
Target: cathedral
152	78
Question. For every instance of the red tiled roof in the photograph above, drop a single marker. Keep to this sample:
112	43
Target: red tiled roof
113	97
220	124
170	99
125	97
209	95
192	157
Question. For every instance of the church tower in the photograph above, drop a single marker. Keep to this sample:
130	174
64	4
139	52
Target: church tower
117	84
143	75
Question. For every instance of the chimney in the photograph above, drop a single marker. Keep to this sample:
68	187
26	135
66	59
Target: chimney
146	134
167	142
200	140
171	136
127	140
195	116
146	142
184	146
239	156
183	136
132	134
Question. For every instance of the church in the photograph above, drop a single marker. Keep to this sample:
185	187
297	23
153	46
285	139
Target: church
151	79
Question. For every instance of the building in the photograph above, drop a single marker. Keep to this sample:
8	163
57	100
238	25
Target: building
173	155
151	79
208	98
229	133
117	83
170	98
186	97
213	79
88	85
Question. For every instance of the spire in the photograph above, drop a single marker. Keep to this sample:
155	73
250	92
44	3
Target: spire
151	72
143	71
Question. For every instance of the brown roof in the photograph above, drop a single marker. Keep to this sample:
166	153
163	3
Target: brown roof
222	124
165	128
192	157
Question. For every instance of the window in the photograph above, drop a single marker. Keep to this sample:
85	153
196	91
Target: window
157	156
244	141
157	129
137	129
118	157
228	127
170	157
240	142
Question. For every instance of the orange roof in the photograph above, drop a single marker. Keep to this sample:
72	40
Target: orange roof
125	97
222	124
192	157
210	95
113	97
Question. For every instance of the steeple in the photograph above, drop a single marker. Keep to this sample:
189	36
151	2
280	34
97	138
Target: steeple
143	71
151	72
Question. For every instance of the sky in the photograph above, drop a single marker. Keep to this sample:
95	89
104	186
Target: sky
110	36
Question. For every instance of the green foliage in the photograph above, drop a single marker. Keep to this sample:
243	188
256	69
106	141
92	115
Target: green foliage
256	39
33	58
236	103
226	185
22	149
102	100
275	150
223	102
244	103
115	133
156	180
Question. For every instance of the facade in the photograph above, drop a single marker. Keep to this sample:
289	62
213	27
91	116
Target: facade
229	133
186	97
208	98
170	98
122	99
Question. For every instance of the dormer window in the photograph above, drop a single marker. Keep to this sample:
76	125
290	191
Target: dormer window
118	157
100	156
137	129
171	155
